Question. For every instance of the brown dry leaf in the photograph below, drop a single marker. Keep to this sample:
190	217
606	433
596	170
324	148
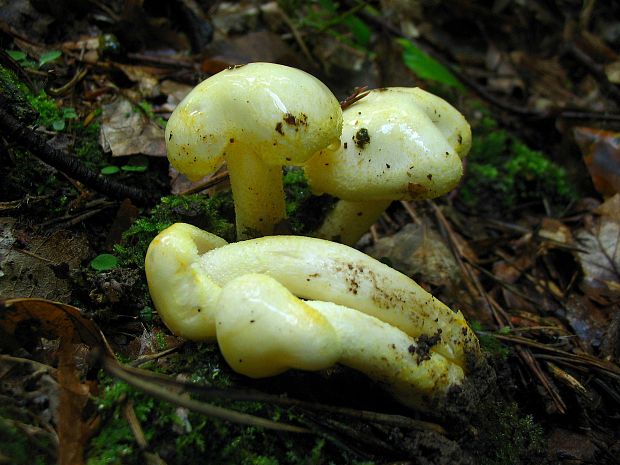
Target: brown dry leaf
601	154
127	131
600	255
254	46
147	78
29	319
417	250
546	78
40	265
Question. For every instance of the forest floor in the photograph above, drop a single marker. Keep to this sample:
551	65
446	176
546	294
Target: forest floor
527	247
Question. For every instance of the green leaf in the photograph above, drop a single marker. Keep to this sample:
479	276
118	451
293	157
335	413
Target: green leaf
17	55
104	262
107	170
69	113
425	66
361	32
49	56
58	125
134	168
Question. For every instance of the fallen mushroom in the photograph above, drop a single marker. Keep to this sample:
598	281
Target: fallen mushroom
398	144
368	316
263	330
257	117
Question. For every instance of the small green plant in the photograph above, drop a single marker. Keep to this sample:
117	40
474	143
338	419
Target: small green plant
489	343
50	116
426	67
104	262
324	16
23	59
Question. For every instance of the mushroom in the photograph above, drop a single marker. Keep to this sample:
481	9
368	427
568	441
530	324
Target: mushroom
263	330
398	144
257	117
247	295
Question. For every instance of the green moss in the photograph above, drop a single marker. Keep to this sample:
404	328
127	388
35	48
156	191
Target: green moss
19	448
489	343
304	210
507	437
181	437
15	93
213	214
502	172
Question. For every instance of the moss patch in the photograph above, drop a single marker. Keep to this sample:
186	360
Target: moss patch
502	172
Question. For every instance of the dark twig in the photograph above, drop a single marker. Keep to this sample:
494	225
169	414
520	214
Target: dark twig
28	139
358	94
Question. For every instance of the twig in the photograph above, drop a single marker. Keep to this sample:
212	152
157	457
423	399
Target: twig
499	314
252	396
115	369
212	181
25	137
358	94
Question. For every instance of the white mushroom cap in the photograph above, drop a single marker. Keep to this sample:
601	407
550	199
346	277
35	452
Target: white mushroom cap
281	114
397	143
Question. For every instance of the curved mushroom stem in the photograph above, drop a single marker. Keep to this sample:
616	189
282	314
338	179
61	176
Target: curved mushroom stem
257	192
263	329
183	295
316	269
349	220
406	368
243	294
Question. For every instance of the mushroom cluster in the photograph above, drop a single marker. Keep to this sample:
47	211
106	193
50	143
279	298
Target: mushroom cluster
282	302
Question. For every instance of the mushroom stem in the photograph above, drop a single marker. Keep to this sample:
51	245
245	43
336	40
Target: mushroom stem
404	367
317	269
185	301
257	192
263	330
349	220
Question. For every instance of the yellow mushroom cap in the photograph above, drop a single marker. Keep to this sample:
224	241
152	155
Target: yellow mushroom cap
281	114
397	143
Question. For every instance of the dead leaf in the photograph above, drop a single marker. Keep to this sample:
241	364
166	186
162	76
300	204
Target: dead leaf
125	130
255	46
24	320
417	250
601	154
40	265
600	256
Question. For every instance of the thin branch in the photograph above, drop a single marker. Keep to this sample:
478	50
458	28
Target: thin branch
25	137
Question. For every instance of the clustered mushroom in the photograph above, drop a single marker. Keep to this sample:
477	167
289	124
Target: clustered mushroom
280	302
249	296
